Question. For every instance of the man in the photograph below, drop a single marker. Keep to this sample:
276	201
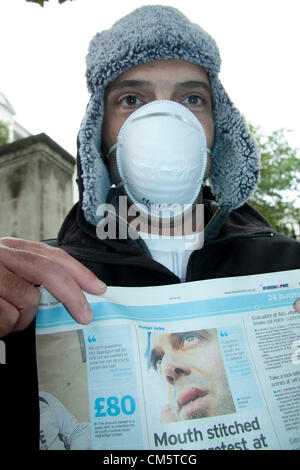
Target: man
155	55
59	429
191	363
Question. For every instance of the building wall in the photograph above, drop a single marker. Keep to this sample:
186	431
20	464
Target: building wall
36	189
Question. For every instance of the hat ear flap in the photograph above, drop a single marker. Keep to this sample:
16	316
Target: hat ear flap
235	159
95	177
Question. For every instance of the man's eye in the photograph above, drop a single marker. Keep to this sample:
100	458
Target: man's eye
193	100
190	340
131	101
158	364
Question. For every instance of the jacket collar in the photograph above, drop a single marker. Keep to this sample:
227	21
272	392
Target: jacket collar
219	223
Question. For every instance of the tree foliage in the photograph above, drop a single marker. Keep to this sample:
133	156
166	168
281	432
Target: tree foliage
41	2
4	133
278	191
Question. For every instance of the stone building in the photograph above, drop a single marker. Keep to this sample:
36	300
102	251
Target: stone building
36	187
36	181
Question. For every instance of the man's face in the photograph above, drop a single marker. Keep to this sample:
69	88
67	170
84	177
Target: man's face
192	365
175	80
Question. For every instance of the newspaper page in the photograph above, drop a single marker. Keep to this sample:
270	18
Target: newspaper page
195	366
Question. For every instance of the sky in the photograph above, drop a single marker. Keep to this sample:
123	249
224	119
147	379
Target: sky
43	50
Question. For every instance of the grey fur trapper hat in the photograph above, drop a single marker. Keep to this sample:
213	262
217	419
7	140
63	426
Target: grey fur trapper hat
160	33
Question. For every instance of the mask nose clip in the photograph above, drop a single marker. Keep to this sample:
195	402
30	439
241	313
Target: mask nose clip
111	149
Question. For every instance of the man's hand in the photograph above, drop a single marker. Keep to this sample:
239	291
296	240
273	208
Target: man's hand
24	264
167	415
297	305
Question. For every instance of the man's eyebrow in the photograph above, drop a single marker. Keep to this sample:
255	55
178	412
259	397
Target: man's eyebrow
155	355
152	355
194	84
145	83
129	84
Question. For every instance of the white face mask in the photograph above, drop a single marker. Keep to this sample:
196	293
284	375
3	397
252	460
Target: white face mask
161	158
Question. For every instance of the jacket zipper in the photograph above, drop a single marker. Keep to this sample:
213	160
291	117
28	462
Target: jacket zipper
232	237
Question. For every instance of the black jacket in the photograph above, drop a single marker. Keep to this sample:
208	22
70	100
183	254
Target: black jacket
236	244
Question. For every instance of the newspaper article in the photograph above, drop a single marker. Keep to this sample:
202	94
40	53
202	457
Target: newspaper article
208	365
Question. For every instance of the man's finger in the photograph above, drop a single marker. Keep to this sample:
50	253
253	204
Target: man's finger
167	415
82	275
16	290
39	269
9	316
297	305
19	295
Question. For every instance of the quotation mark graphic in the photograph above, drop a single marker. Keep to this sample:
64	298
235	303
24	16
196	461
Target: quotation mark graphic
92	339
223	333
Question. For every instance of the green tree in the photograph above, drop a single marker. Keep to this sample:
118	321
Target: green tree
277	193
4	133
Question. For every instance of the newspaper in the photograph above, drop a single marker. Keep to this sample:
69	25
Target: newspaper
202	365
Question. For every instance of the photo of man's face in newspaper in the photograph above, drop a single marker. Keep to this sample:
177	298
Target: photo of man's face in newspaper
191	365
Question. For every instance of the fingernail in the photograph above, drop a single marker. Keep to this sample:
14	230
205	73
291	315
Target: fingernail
100	285
87	314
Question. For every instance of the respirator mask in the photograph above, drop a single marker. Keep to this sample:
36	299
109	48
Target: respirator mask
161	156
